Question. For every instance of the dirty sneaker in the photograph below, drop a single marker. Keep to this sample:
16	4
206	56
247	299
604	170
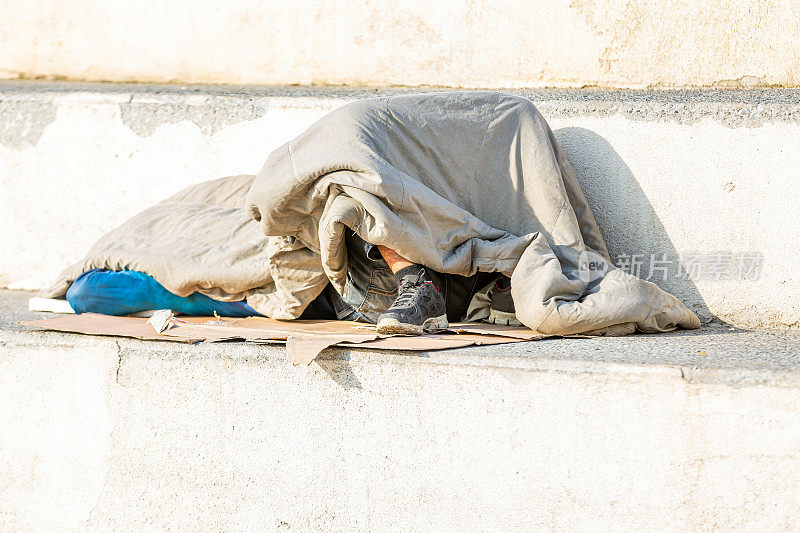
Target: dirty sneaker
501	309
419	307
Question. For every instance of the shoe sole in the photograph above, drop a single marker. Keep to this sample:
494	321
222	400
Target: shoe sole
392	326
503	318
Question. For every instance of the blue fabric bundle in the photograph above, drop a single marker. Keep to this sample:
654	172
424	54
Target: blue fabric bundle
122	293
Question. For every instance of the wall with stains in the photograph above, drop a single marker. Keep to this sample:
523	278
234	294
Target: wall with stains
467	43
668	174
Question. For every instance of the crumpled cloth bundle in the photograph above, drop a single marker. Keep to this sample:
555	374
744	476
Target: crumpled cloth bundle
458	181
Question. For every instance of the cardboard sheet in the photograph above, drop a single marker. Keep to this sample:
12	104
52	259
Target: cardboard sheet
304	339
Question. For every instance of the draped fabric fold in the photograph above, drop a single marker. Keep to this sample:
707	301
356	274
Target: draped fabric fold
458	181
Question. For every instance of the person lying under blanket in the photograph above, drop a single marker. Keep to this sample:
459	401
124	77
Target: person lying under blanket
378	278
406	211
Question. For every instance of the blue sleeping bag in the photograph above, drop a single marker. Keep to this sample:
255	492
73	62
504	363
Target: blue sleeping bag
130	291
122	293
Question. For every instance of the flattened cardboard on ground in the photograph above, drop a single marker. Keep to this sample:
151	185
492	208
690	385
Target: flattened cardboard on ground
305	339
96	324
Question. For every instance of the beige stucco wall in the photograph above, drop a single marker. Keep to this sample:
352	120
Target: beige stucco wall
488	43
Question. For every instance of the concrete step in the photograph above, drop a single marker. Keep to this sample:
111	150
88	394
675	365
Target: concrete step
703	177
692	431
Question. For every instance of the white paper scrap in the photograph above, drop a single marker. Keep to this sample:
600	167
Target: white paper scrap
161	319
50	305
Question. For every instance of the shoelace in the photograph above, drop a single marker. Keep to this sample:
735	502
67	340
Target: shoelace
405	292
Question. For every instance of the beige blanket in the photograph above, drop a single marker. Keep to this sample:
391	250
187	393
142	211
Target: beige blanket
457	181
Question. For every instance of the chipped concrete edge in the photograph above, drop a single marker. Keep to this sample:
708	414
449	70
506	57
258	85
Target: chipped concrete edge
24	125
210	113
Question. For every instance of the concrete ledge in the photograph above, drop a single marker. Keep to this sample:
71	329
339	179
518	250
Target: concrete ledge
714	354
734	107
641	432
669	174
